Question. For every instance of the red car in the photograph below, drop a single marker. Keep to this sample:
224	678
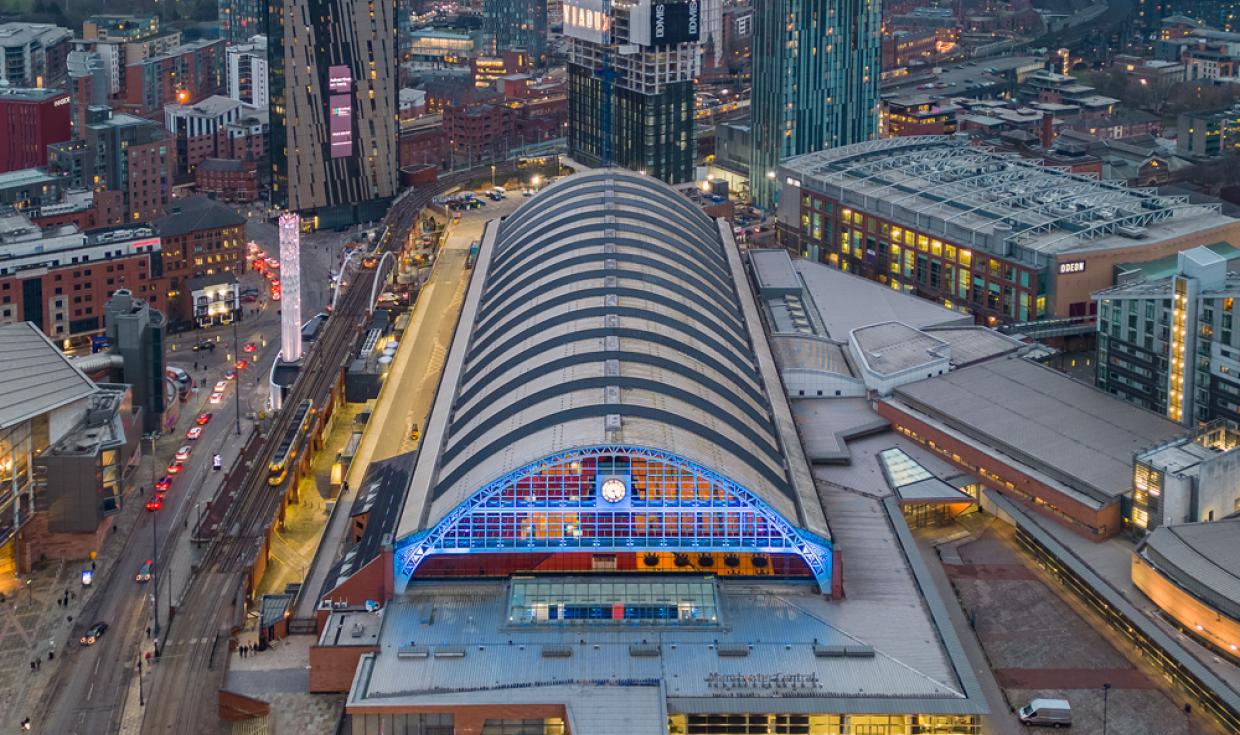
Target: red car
154	503
163	484
175	466
241	364
249	347
203	419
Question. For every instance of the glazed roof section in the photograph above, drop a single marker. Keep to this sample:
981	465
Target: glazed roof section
609	310
978	197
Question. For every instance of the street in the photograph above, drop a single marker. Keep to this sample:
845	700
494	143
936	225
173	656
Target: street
89	689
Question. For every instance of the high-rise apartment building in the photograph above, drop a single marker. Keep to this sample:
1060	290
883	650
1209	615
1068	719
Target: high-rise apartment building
131	155
516	24
333	108
630	84
34	54
815	81
1171	343
247	72
241	19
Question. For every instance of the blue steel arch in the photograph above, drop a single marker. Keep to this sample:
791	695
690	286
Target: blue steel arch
787	538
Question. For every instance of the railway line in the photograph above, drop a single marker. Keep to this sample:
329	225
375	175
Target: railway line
194	654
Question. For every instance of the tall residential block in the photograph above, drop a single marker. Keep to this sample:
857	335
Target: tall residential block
815	81
630	84
1168	338
333	108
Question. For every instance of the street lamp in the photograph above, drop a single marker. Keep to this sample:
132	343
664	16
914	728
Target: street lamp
237	387
30	591
1106	689
154	545
492	176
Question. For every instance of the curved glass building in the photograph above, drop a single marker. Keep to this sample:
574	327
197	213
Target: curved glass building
610	403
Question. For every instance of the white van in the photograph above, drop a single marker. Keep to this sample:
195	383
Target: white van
1051	712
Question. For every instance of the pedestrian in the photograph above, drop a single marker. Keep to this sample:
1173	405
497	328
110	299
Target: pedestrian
141	490
51	655
148	631
92	565
32	665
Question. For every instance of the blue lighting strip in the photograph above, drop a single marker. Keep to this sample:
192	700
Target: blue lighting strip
488	522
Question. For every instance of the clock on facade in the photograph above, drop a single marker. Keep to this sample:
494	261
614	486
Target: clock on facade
613	490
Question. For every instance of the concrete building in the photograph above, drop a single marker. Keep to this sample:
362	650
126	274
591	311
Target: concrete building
136	332
1005	239
1167	339
1209	134
29	189
630	85
43	398
34	54
1053	445
200	129
120	27
657	513
1190	479
815	82
333	109
59	278
248	72
33	119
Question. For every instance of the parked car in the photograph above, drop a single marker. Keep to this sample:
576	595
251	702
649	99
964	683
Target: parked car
94	633
1048	712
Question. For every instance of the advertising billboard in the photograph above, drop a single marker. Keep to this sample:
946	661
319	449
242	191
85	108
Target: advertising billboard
664	22
341	125
339	79
587	20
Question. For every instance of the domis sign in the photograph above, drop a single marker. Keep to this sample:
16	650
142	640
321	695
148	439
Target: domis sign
662	23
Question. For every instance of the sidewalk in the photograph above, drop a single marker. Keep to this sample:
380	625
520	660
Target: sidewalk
31	621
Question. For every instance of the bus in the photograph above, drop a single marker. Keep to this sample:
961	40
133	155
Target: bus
286	452
181	378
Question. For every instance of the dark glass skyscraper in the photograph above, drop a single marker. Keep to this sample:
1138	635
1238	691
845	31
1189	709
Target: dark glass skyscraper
333	108
815	81
513	24
630	85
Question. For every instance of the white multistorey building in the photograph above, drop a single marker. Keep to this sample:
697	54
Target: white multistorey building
290	274
248	72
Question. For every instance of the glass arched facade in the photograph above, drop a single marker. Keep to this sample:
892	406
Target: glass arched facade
624	500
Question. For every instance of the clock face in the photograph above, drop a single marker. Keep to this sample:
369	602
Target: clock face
613	490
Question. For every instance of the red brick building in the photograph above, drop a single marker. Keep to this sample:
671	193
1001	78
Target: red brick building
184	75
85	210
60	278
31	119
227	180
200	237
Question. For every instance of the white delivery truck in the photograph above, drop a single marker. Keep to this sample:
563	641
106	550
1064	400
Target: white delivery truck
1049	712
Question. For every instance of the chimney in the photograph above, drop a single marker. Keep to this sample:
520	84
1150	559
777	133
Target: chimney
1048	130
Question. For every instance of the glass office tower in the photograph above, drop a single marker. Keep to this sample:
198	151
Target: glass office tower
815	81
